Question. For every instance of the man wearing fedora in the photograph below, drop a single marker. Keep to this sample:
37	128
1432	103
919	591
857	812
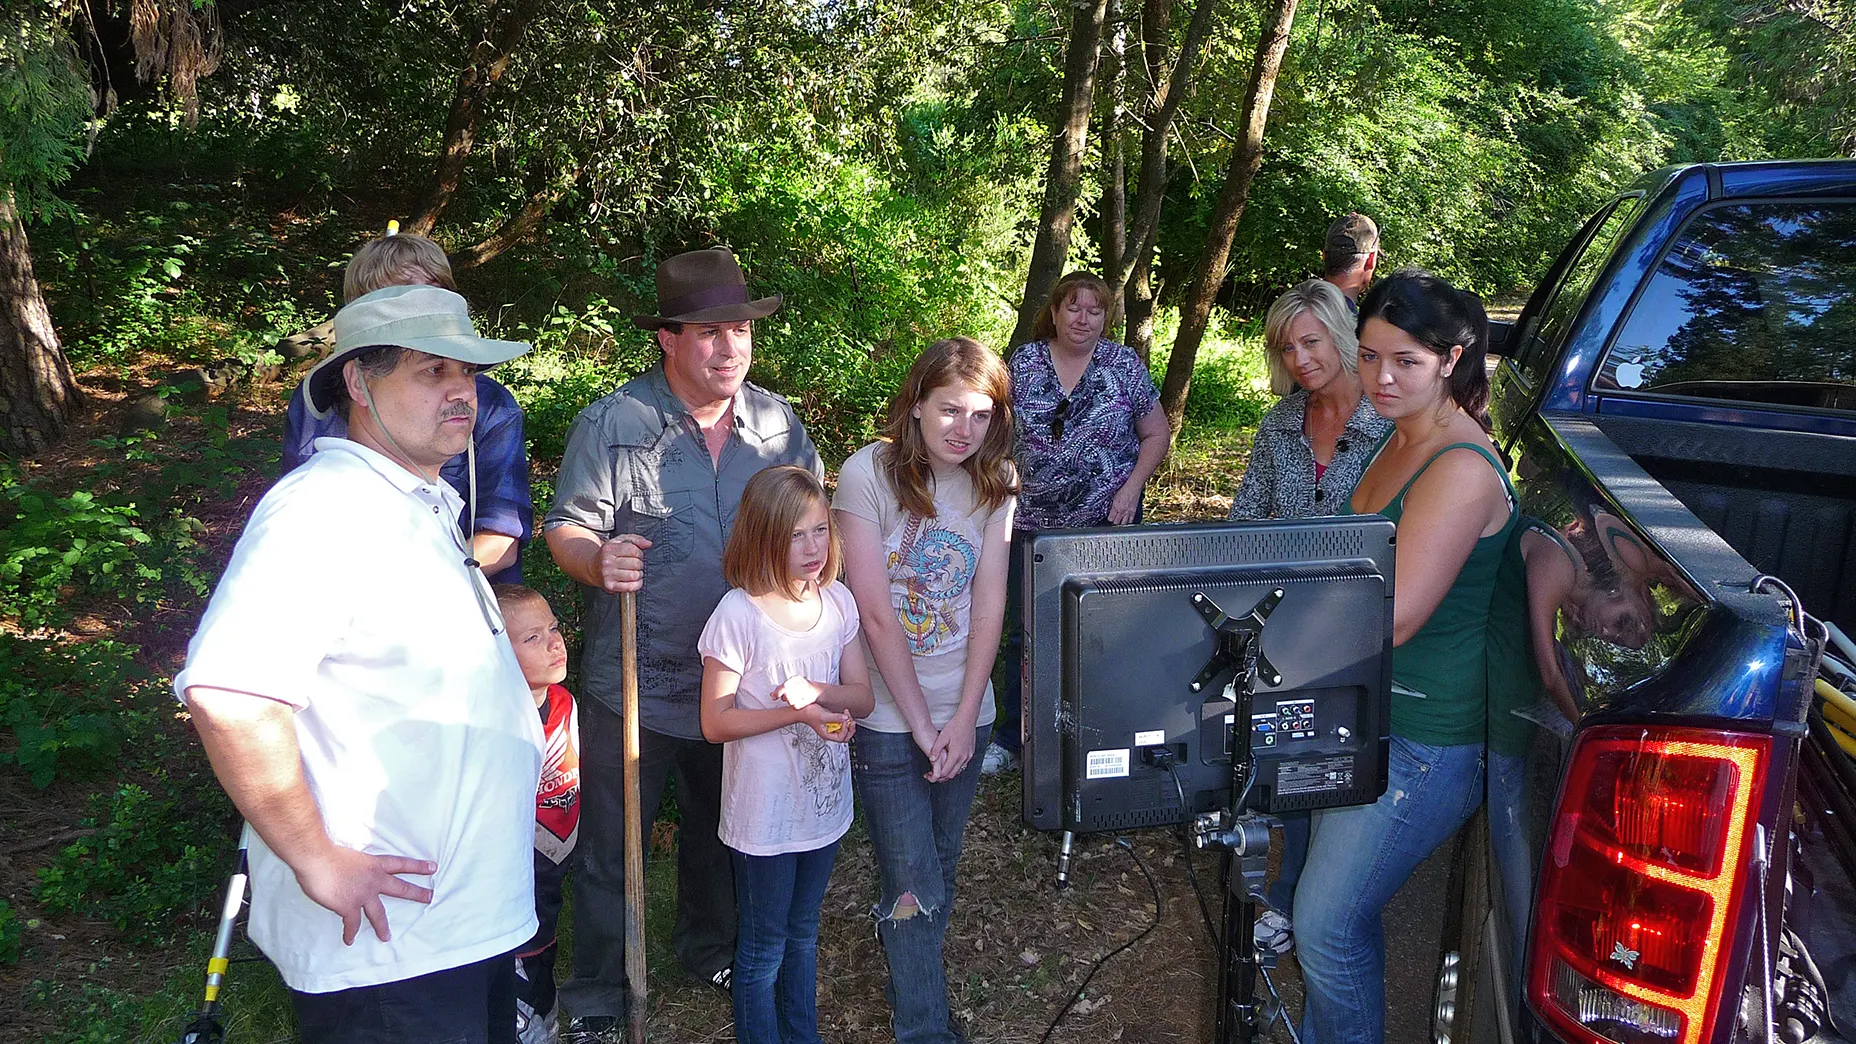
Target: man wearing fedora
381	747
646	494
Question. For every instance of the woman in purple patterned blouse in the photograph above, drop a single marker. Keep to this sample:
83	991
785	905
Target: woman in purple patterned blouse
1089	434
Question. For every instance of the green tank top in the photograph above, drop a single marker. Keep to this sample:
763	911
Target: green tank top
1440	678
1514	675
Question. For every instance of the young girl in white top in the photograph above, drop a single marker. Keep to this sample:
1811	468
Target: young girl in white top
783	684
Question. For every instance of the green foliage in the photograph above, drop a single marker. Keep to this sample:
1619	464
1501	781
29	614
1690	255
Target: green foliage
59	548
9	934
69	706
256	1005
44	103
56	546
188	281
1230	380
152	862
1793	65
872	274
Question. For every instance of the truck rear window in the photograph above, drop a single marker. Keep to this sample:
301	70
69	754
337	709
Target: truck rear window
1755	303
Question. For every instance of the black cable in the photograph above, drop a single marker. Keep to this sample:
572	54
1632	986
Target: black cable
1185	846
1077	994
1282	1012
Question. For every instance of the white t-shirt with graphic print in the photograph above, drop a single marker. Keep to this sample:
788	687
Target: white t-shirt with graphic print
787	790
931	564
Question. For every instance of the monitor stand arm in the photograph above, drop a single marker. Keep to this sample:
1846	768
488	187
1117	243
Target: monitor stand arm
1243	837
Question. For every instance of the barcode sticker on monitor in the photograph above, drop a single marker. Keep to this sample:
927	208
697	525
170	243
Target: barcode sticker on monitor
1106	764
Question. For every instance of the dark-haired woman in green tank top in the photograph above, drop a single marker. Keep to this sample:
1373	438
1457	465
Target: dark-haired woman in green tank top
1437	475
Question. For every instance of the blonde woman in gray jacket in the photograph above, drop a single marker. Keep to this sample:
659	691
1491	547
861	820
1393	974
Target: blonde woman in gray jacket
1312	445
1310	450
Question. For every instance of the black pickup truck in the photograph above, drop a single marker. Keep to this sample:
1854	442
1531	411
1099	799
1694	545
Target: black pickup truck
1678	399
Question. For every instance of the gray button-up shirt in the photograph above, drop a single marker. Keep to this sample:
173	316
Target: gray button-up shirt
1279	481
636	463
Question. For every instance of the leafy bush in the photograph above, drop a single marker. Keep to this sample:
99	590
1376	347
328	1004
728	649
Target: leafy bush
154	860
101	541
9	934
54	546
70	706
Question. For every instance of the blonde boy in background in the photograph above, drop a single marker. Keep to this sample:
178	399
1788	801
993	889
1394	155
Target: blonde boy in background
536	636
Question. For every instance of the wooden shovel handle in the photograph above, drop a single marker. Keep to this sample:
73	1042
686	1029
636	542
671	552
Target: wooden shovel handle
634	817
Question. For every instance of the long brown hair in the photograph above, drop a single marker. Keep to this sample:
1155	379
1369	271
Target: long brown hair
956	360
1044	327
774	501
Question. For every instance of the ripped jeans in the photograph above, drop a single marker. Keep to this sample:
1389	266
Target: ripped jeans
915	832
1357	858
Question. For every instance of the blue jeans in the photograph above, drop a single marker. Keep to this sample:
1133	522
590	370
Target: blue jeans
1514	860
775	987
915	833
1357	858
1295	830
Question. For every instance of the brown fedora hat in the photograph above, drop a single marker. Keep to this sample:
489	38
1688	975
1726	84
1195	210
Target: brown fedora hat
704	286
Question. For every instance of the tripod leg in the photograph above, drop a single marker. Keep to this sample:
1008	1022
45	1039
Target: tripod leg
1239	1014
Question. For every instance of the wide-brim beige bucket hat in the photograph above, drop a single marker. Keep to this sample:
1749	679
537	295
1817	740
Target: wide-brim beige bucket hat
427	319
704	286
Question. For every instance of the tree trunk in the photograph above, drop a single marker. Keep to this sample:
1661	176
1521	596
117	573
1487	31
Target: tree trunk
489	59
1164	100
518	226
1139	301
37	392
1195	306
1114	175
1062	181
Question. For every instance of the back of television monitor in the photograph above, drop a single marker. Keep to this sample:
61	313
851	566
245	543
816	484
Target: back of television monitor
1210	672
1122	666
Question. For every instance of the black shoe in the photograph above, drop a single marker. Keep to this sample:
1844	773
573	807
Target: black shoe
593	1029
724	980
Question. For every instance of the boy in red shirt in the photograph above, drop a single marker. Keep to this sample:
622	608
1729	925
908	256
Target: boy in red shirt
542	653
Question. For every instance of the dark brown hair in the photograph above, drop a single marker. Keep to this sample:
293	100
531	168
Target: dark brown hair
774	501
375	363
1439	317
956	360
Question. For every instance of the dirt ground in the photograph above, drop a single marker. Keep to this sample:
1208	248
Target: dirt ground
1017	947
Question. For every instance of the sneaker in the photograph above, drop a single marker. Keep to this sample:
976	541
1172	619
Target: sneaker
996	760
533	1027
724	980
1273	933
593	1029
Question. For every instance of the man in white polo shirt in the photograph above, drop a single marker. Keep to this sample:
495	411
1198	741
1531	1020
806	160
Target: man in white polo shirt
353	688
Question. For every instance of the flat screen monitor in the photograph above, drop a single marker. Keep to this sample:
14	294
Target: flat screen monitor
1119	637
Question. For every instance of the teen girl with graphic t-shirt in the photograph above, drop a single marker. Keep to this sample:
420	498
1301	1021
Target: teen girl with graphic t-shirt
927	522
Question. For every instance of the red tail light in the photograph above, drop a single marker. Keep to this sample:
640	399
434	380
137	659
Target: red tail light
1644	871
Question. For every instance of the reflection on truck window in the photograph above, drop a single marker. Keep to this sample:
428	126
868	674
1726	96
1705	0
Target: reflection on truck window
1538	340
1756	302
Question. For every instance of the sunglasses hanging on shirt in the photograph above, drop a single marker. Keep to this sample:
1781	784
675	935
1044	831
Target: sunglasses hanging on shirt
1057	417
